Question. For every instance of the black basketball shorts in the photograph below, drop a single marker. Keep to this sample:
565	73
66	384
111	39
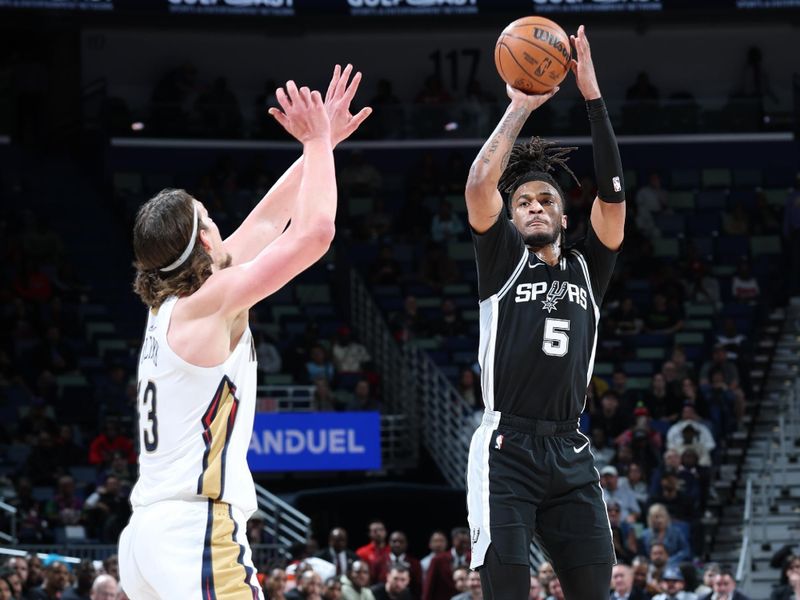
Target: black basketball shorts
530	478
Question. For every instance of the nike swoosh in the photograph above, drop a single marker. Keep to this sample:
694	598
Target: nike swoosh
530	266
577	450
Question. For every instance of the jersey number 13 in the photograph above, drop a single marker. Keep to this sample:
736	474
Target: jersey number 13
148	420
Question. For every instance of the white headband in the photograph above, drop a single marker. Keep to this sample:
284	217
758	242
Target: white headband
182	258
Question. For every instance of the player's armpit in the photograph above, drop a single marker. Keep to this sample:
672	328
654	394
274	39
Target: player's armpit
608	222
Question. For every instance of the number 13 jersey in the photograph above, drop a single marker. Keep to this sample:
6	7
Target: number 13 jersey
538	324
195	423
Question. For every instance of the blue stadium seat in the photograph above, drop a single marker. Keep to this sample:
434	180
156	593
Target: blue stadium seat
711	199
671	225
730	248
704	224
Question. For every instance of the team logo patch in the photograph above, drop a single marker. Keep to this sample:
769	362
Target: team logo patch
476	533
498	441
556	292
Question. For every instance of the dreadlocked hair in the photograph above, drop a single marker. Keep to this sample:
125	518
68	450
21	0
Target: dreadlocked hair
535	156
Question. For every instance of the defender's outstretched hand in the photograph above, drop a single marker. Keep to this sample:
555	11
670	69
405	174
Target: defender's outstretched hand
583	68
337	103
304	115
529	101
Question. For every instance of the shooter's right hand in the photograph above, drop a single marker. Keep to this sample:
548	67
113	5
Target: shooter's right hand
529	102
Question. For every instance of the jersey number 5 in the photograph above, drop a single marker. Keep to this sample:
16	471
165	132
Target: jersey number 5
556	340
148	419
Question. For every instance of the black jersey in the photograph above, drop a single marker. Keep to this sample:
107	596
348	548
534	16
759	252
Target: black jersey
538	323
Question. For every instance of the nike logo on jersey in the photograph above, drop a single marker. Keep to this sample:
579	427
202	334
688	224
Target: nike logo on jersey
533	266
578	450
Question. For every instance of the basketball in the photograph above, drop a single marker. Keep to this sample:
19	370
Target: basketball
532	54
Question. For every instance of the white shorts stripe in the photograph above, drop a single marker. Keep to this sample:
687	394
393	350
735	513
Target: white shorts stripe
478	487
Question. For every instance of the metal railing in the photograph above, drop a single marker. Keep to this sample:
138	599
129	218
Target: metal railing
285	398
10	536
745	565
399	396
283	522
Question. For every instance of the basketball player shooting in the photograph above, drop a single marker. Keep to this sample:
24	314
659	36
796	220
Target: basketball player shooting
197	369
530	470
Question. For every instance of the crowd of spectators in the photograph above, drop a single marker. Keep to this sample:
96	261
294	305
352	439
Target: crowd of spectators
29	577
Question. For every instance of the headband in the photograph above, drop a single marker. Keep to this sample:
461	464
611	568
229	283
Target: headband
533	176
182	258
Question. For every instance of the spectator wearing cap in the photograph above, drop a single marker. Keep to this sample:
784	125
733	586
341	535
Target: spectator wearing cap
623	497
661	530
724	587
673	583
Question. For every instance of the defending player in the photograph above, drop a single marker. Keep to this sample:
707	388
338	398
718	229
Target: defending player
530	470
197	369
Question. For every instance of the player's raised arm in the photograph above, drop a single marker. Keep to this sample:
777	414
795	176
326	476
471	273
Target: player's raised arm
484	202
271	215
312	229
608	210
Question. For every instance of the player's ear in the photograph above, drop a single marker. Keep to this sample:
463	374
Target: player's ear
205	240
563	221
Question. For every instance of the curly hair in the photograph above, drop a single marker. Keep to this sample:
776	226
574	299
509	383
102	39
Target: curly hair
537	158
161	231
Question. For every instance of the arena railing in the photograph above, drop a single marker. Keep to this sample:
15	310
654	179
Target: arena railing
11	512
399	397
283	522
744	566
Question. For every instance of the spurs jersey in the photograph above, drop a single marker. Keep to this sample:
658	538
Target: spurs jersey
538	324
195	423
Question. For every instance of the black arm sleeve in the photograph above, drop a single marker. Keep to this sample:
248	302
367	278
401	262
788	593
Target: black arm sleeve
600	261
607	162
498	251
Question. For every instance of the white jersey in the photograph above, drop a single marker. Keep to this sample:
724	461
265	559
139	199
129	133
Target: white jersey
195	423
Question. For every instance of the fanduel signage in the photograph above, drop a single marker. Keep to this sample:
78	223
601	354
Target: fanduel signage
315	442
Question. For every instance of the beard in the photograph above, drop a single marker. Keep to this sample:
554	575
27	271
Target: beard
541	239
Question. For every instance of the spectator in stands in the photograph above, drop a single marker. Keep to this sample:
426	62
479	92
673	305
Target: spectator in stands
546	574
627	397
377	224
661	530
364	399
625	320
324	400
603	453
35	572
662	402
269	359
359	178
659	559
319	365
536	592
65	506
337	552
724	587
70	452
612	492
105	587
309	587
19	566
5	587
673	586
719	361
349	355
54	354
56	577
622	532
690	418
436	268
622	585
333	589
82	588
679	504
641	429
102	448
720	403
731	339
682	368
436	544
108	510
386	270
709	572
554	587
635	481
219	111
473	591
789	588
355	585
439	579
44	465
736	221
460	579
409	323
469	388
702	288
662	318
446	225
744	285
275	584
610	418
395	587
377	550
12	580
450	323
398	555
651	200
120	469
